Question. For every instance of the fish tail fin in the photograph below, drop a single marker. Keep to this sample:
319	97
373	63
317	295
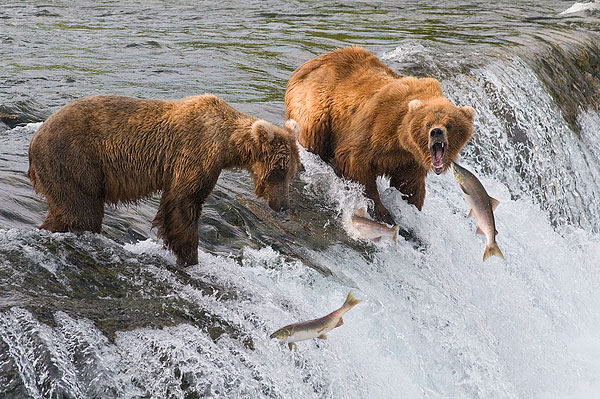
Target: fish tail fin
492	250
350	301
396	228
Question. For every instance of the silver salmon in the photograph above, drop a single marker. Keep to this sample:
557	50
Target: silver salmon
482	207
371	230
316	328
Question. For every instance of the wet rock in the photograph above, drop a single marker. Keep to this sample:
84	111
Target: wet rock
570	71
9	121
100	281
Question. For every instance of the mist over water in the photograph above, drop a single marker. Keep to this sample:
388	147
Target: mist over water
110	315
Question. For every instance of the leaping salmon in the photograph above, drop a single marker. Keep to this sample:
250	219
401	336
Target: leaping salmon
316	328
371	230
482	206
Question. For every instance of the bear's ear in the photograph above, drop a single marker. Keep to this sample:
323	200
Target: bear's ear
414	105
469	112
292	127
262	131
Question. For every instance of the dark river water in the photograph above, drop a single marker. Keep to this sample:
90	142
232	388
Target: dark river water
110	315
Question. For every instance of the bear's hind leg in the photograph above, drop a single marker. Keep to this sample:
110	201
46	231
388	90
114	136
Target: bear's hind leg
73	185
91	217
53	221
80	213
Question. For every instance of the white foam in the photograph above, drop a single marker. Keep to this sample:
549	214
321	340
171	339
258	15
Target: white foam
527	144
407	51
149	246
580	7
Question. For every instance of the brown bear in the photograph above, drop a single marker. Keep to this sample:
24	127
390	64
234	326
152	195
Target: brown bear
368	121
112	149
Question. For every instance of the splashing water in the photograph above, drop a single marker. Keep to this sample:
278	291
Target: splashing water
110	315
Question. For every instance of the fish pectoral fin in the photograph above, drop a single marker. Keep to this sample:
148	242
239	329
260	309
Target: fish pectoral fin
376	239
494	203
322	336
362	212
470	213
292	345
339	323
479	231
463	190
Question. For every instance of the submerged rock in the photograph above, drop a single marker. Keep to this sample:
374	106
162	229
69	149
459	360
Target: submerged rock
9	121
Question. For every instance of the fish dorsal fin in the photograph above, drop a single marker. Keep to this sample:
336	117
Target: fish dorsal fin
479	231
339	323
470	213
494	202
362	212
322	336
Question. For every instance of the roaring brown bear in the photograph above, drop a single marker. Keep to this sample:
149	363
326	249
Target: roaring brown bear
111	149
368	121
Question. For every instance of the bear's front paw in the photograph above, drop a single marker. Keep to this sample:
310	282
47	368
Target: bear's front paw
384	216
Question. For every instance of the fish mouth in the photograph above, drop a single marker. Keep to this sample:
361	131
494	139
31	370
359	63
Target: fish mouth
282	333
438	156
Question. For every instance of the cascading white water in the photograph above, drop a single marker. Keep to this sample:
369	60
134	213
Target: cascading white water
434	322
523	141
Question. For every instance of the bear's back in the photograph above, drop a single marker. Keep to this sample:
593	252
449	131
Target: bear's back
133	140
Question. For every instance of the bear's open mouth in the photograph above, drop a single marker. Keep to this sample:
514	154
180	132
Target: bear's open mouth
438	156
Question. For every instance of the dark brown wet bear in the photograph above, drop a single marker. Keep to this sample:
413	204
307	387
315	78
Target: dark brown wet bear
110	149
359	114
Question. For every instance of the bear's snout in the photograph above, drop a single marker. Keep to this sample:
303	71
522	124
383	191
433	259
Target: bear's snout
279	205
438	145
436	133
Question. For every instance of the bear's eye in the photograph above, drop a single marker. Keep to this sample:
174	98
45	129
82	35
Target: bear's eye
449	127
428	125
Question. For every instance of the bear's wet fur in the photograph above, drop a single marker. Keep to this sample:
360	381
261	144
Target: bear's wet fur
113	149
368	121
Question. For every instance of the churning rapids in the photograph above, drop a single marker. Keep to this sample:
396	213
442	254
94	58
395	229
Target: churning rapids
111	316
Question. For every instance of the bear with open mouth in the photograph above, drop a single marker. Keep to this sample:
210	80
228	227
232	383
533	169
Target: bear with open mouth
368	121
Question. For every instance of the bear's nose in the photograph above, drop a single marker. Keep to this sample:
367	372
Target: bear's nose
437	132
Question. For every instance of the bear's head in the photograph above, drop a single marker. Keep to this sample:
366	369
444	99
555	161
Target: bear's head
438	130
276	161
